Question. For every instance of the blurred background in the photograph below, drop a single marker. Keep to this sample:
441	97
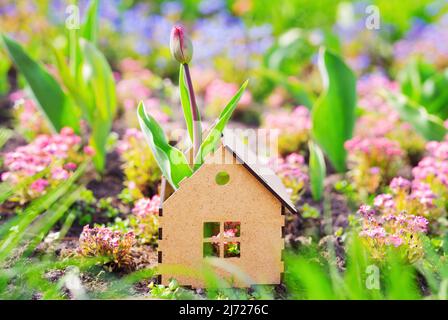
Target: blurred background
234	40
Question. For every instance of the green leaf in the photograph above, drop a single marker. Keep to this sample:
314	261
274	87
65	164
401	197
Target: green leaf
296	89
423	84
216	130
185	102
74	89
56	106
99	84
333	115
89	29
428	126
5	135
14	235
172	161
317	170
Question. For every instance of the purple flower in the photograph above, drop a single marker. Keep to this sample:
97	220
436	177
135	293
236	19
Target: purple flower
385	201
39	185
400	184
396	241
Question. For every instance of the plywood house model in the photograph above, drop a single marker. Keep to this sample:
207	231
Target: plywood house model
229	215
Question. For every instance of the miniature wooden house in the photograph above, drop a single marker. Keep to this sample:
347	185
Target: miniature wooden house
228	214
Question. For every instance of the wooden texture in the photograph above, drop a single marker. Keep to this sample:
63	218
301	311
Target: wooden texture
243	199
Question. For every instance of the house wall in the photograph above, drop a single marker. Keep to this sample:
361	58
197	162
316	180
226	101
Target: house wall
199	199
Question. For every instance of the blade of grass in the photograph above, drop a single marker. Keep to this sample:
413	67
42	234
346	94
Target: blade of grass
317	171
40	228
5	135
15	234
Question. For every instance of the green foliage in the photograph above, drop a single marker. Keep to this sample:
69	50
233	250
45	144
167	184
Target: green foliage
99	85
89	30
5	135
4	68
93	92
13	232
294	13
56	106
400	14
91	95
172	161
300	94
424	85
333	115
215	132
428	126
317	170
311	276
185	102
434	268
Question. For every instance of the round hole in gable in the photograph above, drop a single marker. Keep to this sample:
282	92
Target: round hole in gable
222	178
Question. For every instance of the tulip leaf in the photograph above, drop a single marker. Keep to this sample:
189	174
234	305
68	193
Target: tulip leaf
185	102
89	30
172	161
216	130
427	125
317	170
423	84
99	84
333	115
56	106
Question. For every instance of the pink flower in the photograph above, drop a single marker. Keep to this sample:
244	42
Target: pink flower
375	232
289	122
70	166
103	242
59	173
146	206
220	92
395	240
88	150
66	131
400	184
384	201
180	45
39	185
366	211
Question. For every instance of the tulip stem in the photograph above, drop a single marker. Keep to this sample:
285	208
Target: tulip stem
197	130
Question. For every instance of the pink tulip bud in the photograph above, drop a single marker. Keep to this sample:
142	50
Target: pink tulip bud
180	45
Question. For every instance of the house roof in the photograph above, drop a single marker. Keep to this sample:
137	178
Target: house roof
253	164
258	169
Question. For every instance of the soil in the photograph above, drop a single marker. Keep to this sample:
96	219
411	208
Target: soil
298	227
111	183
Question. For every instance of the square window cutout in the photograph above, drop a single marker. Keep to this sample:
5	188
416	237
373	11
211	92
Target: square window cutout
232	250
211	229
211	249
232	229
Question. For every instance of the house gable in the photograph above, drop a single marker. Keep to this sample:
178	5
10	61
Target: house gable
243	199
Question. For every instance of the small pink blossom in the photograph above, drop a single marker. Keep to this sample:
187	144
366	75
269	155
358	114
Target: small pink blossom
70	166
39	185
384	201
146	206
399	184
88	150
395	241
59	173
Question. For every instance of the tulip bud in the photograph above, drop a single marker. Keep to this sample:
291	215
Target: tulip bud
180	46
